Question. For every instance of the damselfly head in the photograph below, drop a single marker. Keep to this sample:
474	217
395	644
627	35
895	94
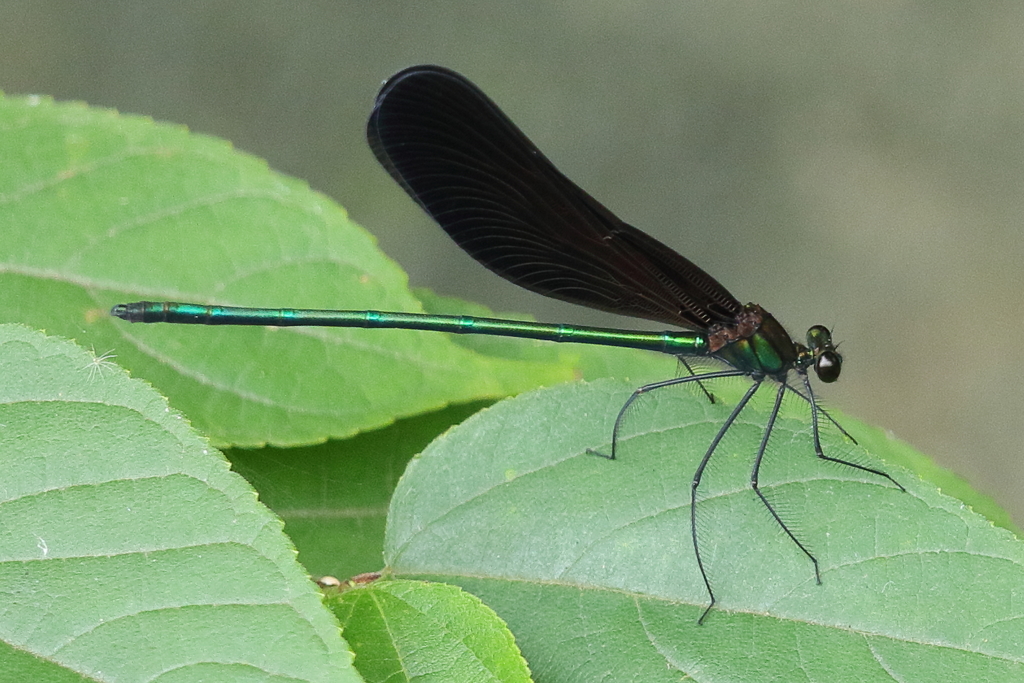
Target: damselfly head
827	361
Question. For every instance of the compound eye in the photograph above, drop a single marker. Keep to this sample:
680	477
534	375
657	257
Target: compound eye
827	366
818	337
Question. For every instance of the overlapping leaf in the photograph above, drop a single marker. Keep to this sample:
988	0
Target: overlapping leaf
128	548
410	630
99	208
590	561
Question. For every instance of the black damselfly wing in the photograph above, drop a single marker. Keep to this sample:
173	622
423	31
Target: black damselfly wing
462	160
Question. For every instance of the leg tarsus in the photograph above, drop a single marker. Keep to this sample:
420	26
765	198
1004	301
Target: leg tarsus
817	436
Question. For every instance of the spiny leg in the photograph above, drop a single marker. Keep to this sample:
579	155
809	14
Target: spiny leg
755	475
651	387
817	439
698	474
711	398
822	411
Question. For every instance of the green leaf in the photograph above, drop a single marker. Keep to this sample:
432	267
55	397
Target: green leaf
128	550
334	497
590	561
100	208
409	630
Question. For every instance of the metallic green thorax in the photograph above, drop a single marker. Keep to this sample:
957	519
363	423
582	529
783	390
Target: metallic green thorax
756	343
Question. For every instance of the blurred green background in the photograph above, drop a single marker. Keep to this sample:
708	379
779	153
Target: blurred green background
858	165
